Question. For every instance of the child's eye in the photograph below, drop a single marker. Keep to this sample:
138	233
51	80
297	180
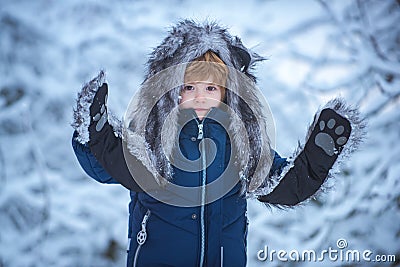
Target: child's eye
188	88
211	88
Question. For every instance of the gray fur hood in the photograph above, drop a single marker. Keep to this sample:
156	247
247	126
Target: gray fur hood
151	130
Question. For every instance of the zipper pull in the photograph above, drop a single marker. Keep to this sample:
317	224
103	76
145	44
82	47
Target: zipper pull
142	235
200	135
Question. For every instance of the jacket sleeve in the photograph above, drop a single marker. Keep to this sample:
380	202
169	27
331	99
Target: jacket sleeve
298	184
107	148
89	163
278	164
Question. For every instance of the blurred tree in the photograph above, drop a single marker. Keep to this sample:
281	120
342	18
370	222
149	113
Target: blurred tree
360	61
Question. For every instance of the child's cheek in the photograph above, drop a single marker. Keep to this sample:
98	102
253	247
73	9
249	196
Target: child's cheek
215	103
185	103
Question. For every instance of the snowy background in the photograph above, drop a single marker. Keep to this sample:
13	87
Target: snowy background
52	214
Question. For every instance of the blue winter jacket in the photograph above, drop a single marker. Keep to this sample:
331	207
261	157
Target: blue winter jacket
185	236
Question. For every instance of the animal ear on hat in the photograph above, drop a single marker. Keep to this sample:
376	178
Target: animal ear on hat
242	57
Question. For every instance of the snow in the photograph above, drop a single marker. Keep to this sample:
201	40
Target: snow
52	214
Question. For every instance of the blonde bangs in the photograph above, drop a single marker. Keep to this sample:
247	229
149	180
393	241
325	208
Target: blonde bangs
208	66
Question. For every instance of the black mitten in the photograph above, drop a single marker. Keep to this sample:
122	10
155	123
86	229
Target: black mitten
311	167
98	112
331	132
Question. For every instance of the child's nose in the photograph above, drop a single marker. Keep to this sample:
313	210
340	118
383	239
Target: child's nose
200	93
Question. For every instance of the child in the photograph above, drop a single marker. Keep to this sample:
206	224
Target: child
188	194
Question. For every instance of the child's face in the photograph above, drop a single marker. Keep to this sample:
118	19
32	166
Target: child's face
201	96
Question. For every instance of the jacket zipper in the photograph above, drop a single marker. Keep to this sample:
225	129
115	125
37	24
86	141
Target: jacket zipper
141	237
203	193
200	135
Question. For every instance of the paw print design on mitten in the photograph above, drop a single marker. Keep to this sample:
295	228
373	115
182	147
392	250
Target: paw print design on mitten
333	134
102	116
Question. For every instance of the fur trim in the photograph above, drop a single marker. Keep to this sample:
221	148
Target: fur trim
81	116
271	182
357	136
138	147
115	123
